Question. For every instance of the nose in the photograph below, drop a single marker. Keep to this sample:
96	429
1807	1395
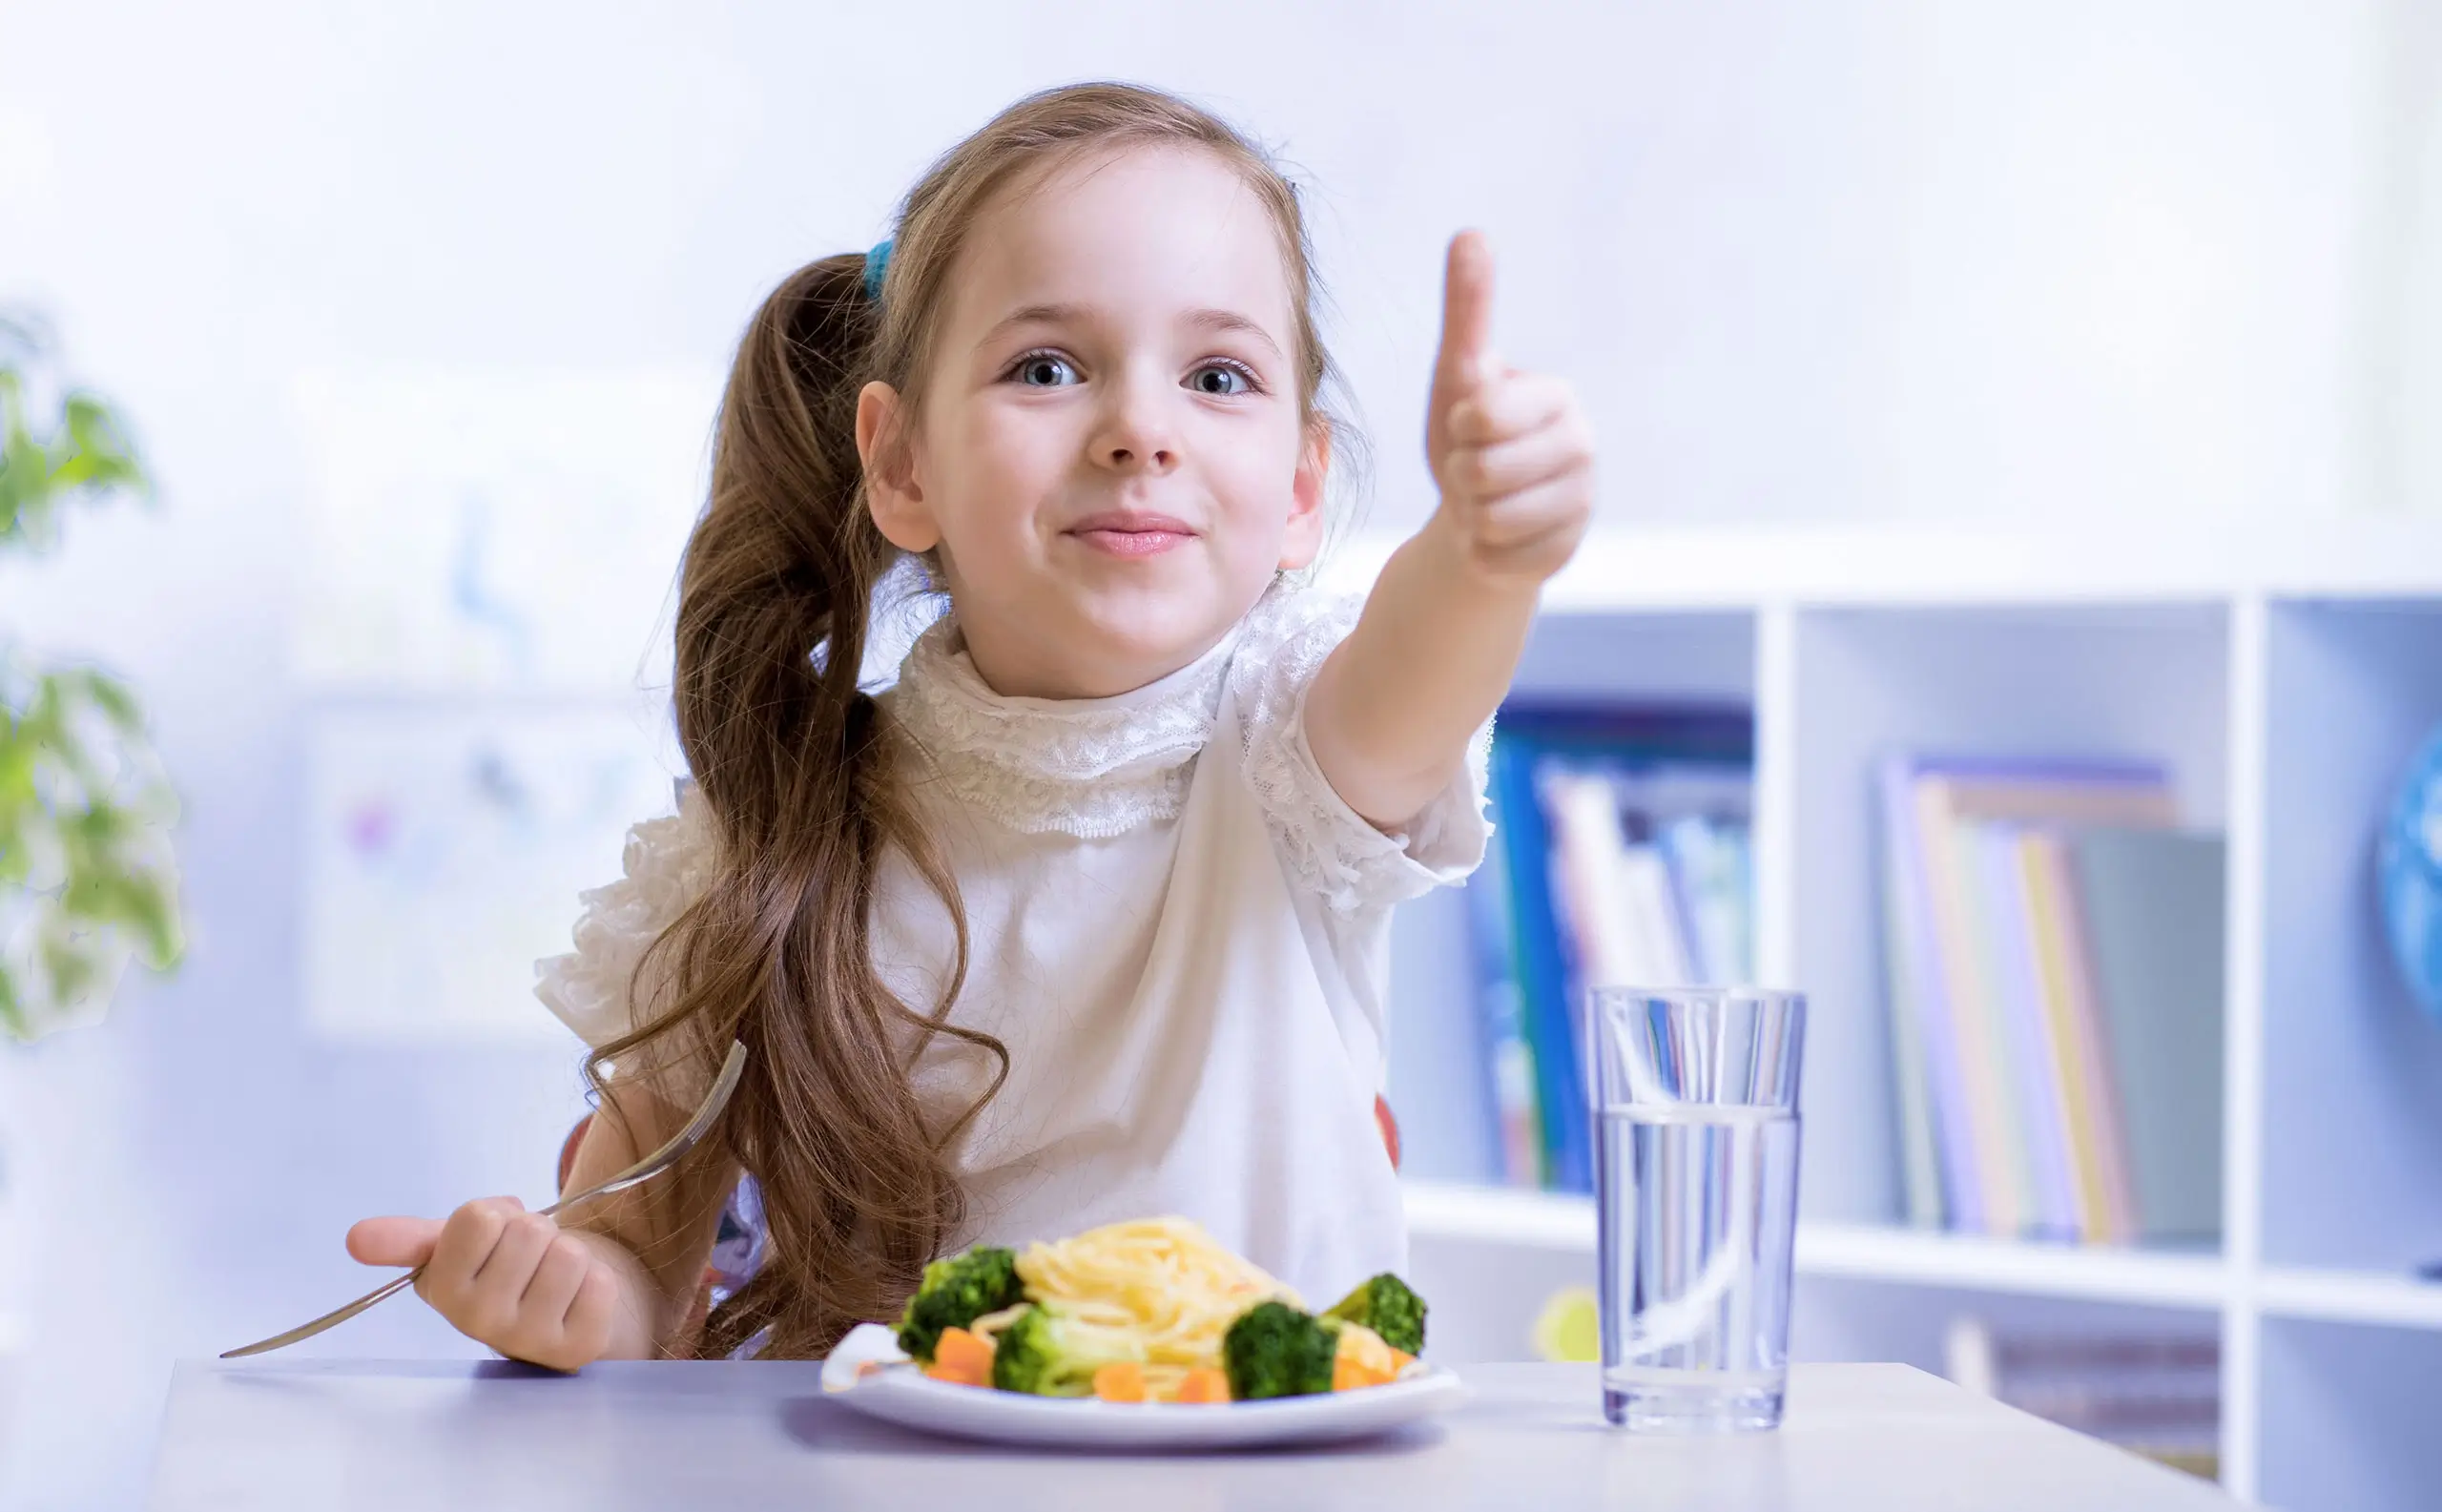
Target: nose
1134	433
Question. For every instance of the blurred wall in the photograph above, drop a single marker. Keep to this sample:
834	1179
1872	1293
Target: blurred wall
2040	261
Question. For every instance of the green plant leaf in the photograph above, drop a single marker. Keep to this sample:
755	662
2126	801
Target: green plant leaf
113	698
91	451
12	1012
84	453
87	876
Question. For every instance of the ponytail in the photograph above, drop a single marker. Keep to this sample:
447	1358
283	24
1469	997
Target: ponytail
794	763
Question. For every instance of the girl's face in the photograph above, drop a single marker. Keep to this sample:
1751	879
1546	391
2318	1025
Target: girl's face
1112	458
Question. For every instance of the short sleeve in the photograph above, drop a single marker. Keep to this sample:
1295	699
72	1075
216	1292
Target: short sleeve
1330	849
667	866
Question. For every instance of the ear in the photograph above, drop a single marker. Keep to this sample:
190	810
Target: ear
892	494
1303	540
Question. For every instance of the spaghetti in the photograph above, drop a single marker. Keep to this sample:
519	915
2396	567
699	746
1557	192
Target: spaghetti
1157	1290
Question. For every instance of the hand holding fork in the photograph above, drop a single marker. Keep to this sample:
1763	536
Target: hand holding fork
510	1278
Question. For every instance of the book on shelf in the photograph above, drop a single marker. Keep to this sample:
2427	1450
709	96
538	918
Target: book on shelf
2053	969
2157	1395
1620	856
2155	910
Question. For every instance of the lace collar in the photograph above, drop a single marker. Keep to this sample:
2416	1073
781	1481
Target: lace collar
1087	767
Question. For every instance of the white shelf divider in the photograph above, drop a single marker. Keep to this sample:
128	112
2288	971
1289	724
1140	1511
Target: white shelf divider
2242	1048
1856	1252
1775	796
2350	1296
1541	1220
2093	1274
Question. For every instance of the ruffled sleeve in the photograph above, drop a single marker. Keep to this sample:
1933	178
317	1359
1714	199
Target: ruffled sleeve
668	864
1330	849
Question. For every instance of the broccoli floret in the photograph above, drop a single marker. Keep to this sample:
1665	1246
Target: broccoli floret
1274	1350
1046	1355
1387	1306
956	1292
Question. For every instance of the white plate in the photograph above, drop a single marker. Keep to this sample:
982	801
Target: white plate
868	1372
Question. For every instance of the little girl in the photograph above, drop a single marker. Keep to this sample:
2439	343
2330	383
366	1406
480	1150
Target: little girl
1087	917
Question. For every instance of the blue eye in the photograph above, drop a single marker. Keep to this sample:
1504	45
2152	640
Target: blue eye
1044	370
1221	380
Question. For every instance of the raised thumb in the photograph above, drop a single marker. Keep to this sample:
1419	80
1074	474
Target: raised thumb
1466	316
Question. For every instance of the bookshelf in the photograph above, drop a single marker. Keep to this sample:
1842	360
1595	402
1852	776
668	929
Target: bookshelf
2285	681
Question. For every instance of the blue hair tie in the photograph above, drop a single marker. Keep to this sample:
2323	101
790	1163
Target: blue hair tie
876	263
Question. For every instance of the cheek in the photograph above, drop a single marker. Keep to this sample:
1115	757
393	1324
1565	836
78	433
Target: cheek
1262	474
1043	446
999	463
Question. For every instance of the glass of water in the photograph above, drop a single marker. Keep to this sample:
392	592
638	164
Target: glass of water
1695	1175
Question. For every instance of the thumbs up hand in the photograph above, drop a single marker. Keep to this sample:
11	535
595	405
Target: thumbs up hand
1392	710
1510	450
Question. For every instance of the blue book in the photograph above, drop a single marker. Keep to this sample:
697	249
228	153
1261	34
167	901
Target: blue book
1542	957
1560	1093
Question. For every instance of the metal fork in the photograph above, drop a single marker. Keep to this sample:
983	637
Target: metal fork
643	1171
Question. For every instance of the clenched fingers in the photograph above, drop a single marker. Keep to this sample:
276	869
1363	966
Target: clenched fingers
1514	404
467	1239
585	1332
553	1290
1487	472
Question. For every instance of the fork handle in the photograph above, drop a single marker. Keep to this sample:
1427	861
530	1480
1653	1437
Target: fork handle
329	1320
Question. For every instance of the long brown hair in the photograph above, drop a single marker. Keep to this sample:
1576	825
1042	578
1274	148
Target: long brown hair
795	763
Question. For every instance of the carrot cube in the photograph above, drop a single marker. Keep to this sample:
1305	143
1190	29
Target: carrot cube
1123	1381
968	1354
1351	1375
1204	1386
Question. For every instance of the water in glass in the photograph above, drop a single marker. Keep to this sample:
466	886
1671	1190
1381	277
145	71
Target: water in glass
1695	1274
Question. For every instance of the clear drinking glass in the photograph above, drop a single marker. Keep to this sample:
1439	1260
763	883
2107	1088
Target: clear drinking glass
1695	1176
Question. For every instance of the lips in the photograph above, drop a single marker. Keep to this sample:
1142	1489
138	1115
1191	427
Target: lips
1130	533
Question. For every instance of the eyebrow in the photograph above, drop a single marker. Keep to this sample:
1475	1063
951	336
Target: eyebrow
1210	319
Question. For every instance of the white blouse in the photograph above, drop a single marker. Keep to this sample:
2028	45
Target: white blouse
1187	959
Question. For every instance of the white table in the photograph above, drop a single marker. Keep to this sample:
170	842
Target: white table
461	1437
